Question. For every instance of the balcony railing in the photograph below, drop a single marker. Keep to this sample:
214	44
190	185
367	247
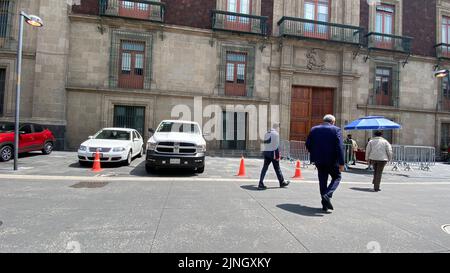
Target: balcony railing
317	30
442	51
135	9
387	42
239	22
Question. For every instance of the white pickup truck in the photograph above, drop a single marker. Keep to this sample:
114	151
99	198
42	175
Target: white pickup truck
176	144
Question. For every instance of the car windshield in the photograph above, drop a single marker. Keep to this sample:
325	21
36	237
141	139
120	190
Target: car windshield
6	127
178	127
113	134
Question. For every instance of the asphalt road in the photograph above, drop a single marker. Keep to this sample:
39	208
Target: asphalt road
59	207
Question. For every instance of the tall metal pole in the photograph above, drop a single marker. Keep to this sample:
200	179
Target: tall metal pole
19	72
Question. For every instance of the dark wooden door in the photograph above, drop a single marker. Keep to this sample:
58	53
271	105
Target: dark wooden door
308	106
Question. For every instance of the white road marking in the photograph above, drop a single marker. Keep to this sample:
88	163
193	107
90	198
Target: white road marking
194	179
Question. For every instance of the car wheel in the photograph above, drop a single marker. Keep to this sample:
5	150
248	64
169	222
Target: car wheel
6	153
201	170
48	148
149	169
129	158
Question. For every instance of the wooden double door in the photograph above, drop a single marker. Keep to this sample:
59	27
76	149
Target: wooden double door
308	107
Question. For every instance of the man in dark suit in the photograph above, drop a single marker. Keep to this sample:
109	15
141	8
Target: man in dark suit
326	147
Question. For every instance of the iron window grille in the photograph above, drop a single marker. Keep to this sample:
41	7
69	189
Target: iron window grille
138	47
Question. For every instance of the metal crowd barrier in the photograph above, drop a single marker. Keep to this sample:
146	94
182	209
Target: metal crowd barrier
293	151
349	155
422	157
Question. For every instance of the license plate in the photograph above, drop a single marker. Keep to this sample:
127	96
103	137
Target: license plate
175	161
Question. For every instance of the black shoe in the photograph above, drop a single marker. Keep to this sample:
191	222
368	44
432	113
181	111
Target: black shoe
327	201
324	206
284	183
262	187
377	190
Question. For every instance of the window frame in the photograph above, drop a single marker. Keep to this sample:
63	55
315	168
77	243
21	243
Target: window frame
133	75
231	87
2	90
380	93
384	15
316	3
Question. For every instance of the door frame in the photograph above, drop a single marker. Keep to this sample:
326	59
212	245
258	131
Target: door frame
310	118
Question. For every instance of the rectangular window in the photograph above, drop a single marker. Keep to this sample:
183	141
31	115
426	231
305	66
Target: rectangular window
234	128
445	100
2	89
4	12
129	117
316	10
236	73
240	23
383	86
384	24
445	50
445	136
134	9
132	64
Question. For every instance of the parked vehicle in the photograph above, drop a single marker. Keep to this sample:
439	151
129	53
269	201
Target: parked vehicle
32	137
113	144
176	144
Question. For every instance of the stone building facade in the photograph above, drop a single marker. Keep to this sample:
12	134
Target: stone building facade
104	63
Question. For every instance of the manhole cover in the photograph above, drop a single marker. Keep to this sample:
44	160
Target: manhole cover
89	185
446	228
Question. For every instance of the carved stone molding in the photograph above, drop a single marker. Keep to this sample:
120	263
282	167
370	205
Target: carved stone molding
316	59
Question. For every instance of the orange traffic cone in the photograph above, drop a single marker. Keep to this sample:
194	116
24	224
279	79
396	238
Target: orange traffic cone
242	168
298	171
96	167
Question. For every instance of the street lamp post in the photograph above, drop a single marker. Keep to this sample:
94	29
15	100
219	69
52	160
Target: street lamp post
34	21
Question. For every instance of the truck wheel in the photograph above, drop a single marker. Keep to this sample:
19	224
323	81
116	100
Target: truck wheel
6	153
201	170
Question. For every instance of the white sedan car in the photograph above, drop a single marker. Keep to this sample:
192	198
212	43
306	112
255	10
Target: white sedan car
113	144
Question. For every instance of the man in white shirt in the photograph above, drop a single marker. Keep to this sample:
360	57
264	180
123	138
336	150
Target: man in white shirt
271	154
379	153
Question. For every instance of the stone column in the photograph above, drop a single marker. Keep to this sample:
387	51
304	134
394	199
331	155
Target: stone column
345	104
49	94
286	75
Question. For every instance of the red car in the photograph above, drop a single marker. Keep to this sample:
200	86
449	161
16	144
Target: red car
33	137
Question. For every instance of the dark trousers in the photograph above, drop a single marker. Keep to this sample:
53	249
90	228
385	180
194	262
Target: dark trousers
276	166
324	172
378	167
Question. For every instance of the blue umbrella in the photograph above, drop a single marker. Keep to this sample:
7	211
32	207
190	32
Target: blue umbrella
372	123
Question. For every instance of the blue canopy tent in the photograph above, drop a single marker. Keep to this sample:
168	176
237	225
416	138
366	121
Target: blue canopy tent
372	123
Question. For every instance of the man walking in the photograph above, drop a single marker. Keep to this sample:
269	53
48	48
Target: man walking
271	154
326	147
379	153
